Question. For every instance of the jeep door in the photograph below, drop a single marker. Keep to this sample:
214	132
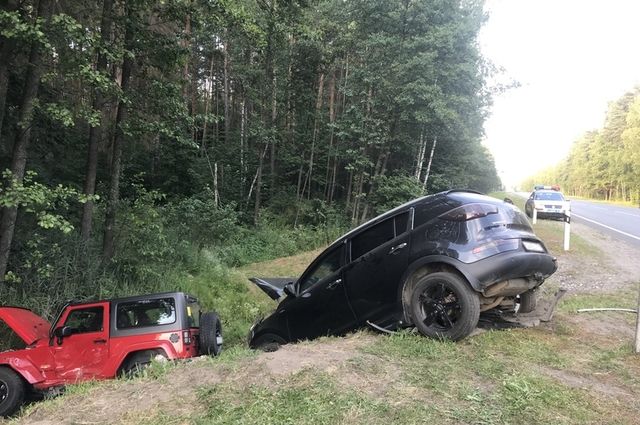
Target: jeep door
320	307
379	258
83	354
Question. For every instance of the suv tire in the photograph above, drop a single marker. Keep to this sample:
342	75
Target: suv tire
443	305
268	343
210	334
12	391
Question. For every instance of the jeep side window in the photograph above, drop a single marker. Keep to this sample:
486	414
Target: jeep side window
85	320
8	339
326	267
143	313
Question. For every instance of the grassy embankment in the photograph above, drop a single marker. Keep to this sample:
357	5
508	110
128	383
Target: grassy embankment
578	369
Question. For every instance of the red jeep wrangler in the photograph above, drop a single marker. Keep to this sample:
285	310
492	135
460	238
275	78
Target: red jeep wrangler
98	340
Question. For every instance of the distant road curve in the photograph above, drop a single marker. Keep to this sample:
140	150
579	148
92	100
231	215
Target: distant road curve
620	222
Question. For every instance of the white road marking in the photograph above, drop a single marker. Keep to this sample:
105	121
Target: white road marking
608	227
626	213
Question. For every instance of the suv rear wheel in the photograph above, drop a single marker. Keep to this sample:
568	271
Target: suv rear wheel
444	306
12	390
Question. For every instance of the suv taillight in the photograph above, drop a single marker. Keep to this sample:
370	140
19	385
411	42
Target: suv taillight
469	212
186	337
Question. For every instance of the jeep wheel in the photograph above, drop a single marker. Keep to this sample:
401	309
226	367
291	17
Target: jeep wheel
210	334
268	343
527	301
12	390
443	305
138	362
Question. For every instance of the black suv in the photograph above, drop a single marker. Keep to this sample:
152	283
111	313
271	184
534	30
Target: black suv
435	262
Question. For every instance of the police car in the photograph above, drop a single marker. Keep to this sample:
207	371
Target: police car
548	201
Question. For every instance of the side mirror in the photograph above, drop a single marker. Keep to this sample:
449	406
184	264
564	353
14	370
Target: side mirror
290	289
64	332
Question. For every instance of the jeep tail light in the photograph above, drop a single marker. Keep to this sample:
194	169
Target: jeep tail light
186	337
469	212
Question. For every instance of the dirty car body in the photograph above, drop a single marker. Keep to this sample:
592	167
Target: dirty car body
98	340
435	262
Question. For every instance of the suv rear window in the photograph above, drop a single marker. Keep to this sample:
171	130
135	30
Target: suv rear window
9	340
506	218
143	313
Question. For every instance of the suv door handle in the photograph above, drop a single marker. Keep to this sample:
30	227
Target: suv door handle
333	284
397	248
99	341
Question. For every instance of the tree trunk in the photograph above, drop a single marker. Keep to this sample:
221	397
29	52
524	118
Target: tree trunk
420	157
315	132
108	242
95	132
23	136
6	51
332	93
426	176
207	106
225	69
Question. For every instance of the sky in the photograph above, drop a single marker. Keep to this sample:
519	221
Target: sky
571	58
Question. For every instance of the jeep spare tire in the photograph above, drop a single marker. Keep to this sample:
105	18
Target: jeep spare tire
210	334
443	305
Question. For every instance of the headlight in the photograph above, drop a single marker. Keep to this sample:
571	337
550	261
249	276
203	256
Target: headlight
533	246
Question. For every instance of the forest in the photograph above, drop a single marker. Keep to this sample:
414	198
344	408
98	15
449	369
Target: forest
603	163
143	141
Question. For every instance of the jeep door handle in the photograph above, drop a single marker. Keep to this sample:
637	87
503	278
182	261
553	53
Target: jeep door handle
99	341
333	284
397	248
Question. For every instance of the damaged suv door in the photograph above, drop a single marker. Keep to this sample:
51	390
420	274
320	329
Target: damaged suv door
379	257
320	305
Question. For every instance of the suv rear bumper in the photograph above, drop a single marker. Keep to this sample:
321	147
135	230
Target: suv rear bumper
510	265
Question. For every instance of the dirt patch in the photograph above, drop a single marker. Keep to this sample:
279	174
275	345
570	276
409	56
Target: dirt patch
328	355
614	265
129	401
590	383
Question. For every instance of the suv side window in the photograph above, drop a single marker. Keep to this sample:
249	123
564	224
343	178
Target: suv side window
401	221
330	264
372	238
86	320
143	313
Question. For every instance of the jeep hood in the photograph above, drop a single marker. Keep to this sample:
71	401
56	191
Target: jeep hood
273	286
26	324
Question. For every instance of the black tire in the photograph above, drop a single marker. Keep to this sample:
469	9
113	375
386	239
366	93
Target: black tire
12	392
443	305
527	301
268	343
137	363
210	334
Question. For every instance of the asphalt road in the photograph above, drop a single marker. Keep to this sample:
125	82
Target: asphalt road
620	222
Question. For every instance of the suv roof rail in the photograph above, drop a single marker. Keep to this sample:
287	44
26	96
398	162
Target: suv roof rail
463	190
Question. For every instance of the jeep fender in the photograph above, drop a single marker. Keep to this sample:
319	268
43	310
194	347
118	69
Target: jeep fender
166	346
24	368
425	262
